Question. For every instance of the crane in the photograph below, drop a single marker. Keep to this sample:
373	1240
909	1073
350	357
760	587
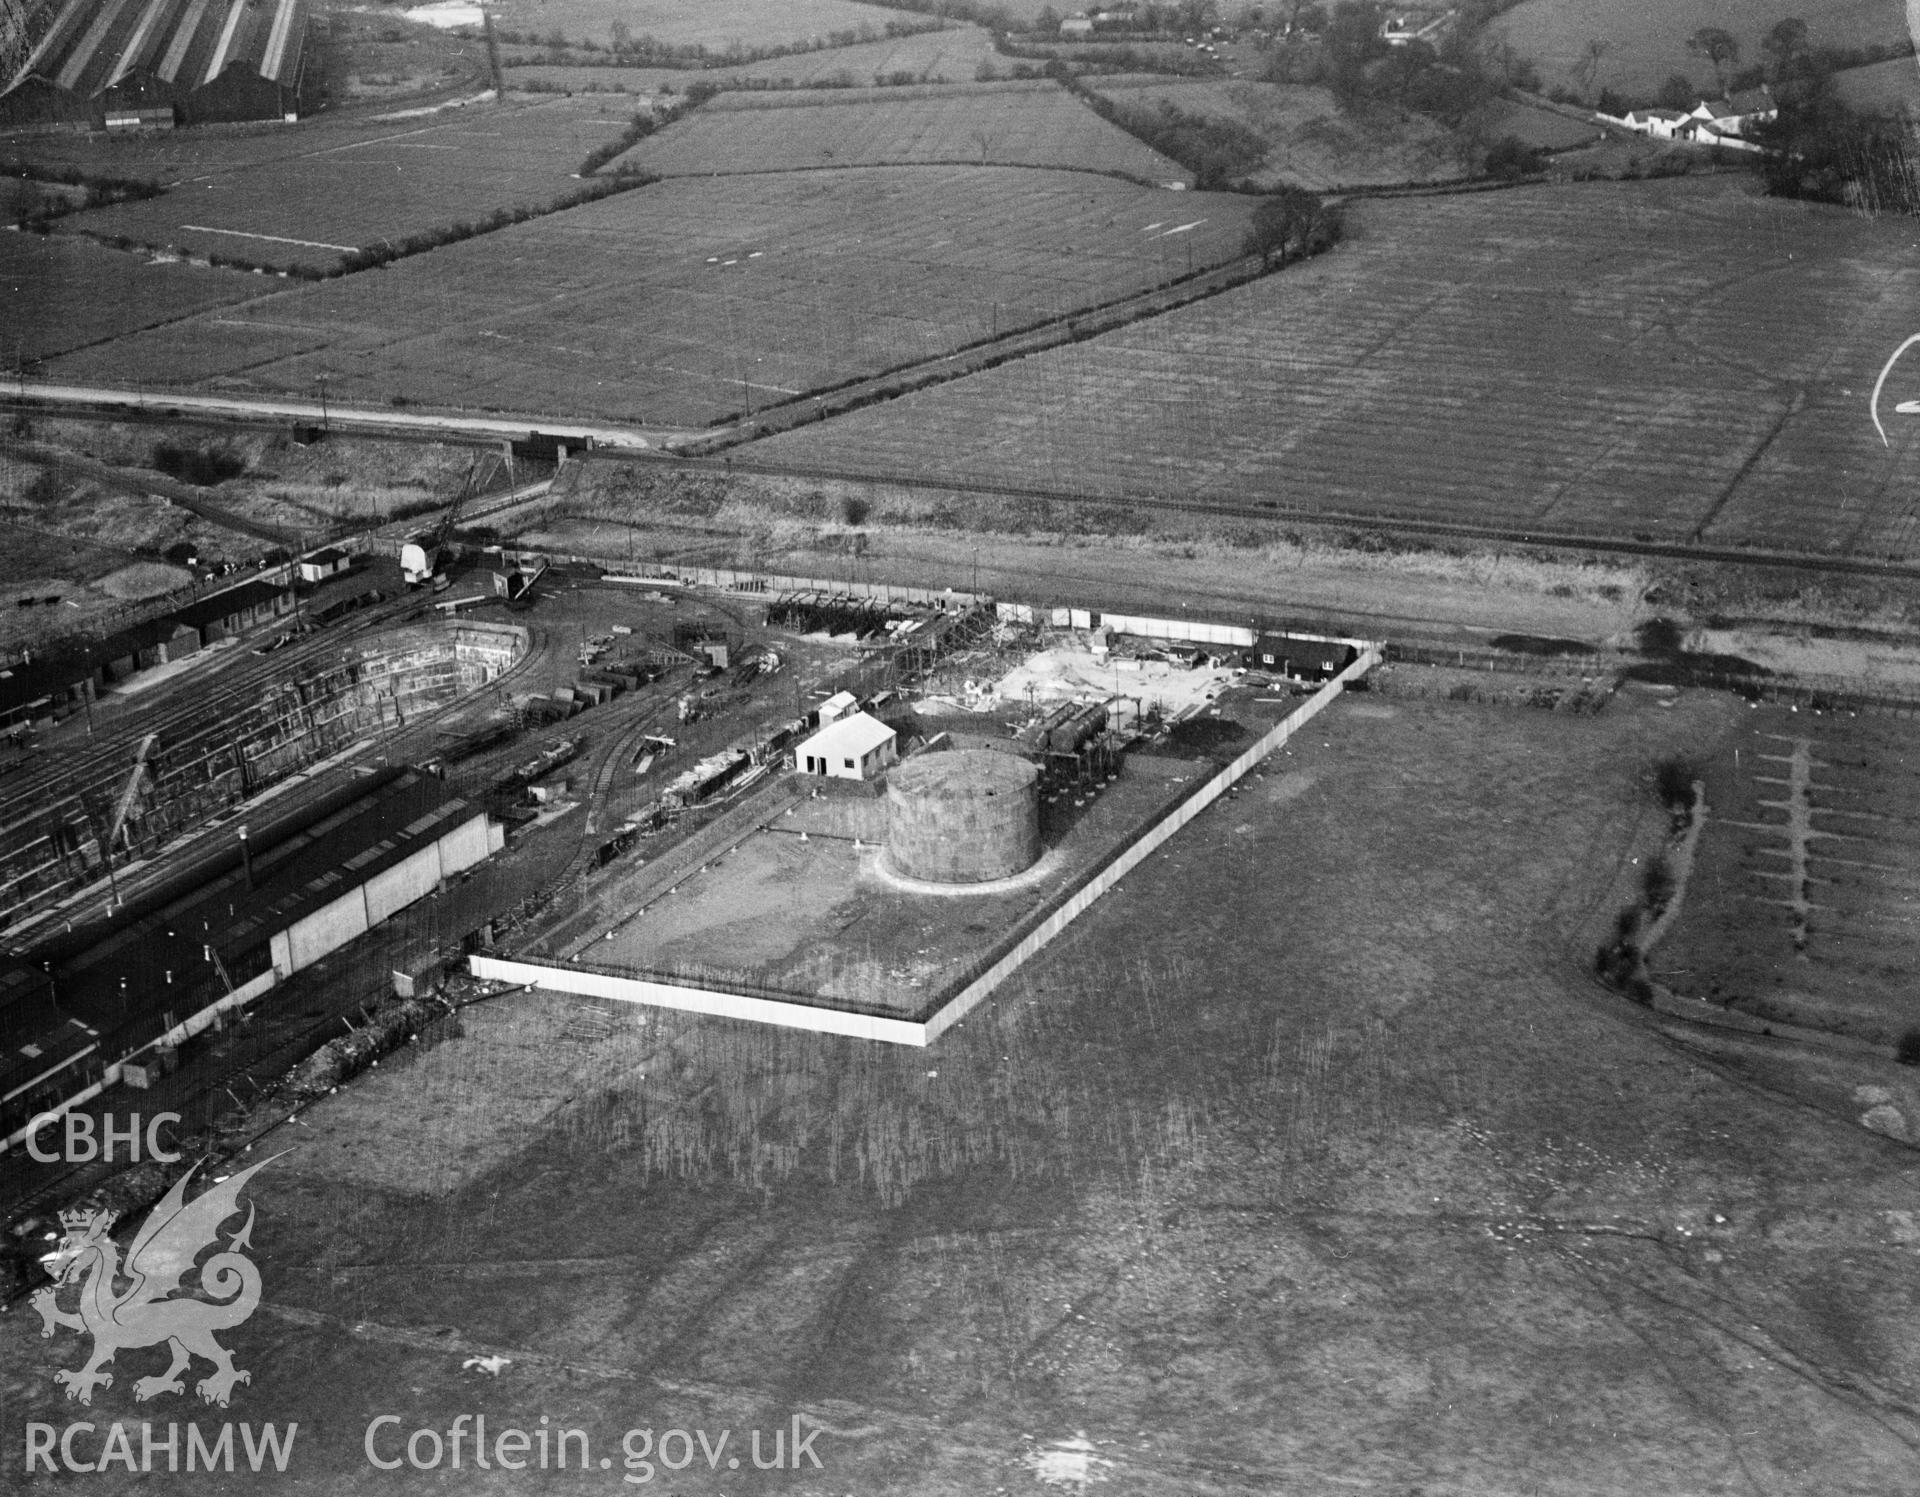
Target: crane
139	780
420	560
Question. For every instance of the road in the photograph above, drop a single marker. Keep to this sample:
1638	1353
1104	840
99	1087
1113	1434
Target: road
365	420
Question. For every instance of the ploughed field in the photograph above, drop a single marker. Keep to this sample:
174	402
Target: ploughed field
339	195
690	300
59	294
1672	361
1014	123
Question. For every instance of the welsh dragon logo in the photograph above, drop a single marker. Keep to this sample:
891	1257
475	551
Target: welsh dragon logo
140	1303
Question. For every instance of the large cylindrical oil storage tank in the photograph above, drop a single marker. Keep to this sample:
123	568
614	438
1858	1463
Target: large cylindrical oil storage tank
964	817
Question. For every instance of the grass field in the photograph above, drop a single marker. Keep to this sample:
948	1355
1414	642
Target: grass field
59	294
1883	87
174	156
1310	142
1533	125
1659	360
955	54
1800	901
1308	1159
714	24
335	197
998	124
684	301
1645	43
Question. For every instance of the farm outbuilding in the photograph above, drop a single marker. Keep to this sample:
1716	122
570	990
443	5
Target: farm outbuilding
323	564
144	63
835	707
856	747
1300	656
236	609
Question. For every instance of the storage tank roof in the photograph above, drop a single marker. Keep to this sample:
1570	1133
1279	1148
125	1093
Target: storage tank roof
963	774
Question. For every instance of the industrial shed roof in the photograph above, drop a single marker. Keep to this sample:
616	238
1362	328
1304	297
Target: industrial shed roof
234	600
855	736
38	1036
91	45
63	668
293	877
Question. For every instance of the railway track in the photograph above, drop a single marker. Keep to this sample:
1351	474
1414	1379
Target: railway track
77	775
1272	512
657	448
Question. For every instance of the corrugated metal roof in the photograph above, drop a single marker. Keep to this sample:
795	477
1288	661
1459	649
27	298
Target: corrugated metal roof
88	47
58	35
94	44
144	39
182	39
291	880
857	735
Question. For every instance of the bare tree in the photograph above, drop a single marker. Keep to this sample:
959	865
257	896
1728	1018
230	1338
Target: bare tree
1587	69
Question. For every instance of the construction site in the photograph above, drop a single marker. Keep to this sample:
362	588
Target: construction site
850	802
889	856
972	984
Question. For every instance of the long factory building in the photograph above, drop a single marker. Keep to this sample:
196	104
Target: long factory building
269	913
142	64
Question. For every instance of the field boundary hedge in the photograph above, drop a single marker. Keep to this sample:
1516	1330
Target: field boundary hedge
649	52
386	251
1113	172
644	124
987	353
746	98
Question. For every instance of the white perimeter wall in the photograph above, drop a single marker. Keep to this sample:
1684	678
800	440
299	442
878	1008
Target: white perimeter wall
904	1031
697	1000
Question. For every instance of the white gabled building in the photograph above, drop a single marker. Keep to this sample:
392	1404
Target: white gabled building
855	747
1732	115
1661	124
1402	28
1720	122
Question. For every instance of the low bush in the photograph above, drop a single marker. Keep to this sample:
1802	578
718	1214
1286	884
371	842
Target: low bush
204	466
1657	884
1673	781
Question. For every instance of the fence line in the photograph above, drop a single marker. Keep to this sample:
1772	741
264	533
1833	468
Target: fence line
1830	693
741	579
970	996
716	839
